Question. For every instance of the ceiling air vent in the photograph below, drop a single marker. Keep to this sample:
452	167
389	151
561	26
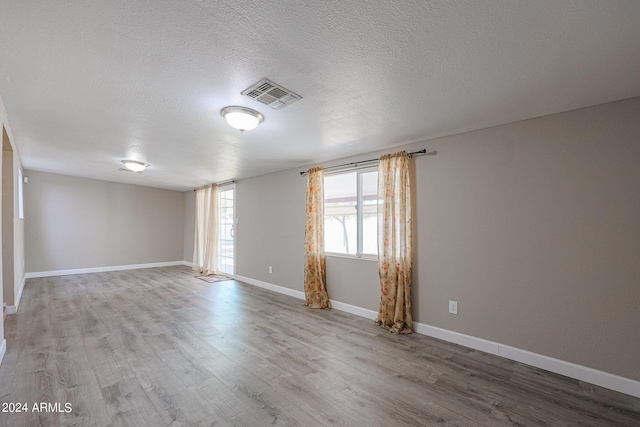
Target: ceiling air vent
271	94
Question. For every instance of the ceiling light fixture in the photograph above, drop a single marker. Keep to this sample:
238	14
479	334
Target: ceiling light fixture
242	118
134	166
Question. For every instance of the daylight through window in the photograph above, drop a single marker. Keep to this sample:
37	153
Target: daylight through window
350	212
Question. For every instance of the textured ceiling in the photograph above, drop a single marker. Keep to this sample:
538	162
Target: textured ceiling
87	84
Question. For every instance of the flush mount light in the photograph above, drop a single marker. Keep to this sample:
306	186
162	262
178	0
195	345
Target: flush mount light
242	118
134	166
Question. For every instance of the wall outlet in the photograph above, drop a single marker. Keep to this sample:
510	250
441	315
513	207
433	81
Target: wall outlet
453	307
270	270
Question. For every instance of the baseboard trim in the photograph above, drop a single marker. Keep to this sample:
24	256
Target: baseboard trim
37	274
270	286
3	350
13	309
187	263
354	309
24	280
568	369
457	338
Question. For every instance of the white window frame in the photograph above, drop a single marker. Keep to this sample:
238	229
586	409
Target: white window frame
359	213
221	189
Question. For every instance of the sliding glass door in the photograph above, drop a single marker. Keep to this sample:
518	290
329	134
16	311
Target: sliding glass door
226	229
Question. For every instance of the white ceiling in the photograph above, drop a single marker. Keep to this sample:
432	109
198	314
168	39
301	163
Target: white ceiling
87	84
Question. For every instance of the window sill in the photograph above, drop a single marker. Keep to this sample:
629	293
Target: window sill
360	258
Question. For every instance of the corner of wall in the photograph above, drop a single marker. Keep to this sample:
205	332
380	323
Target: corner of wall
13	309
3	349
189	220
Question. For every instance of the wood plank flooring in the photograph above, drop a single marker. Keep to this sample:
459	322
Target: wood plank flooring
159	347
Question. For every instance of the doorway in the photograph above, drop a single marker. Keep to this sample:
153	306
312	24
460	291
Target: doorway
226	229
8	278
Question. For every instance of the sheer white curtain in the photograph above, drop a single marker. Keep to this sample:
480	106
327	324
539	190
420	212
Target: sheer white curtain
205	246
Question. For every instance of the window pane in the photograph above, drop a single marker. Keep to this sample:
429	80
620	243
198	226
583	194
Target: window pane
226	249
369	235
370	212
225	225
340	214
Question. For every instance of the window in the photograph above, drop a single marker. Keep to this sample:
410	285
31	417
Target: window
351	212
226	229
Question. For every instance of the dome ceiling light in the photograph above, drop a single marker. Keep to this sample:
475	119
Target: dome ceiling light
134	166
242	118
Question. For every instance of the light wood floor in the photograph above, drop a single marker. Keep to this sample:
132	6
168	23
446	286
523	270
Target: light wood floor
159	347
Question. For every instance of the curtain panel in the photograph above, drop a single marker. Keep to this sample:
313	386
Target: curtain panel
394	243
205	247
314	262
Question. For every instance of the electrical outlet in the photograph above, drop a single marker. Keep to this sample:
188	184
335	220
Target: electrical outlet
453	307
270	270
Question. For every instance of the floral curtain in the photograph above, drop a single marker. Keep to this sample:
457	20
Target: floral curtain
314	268
205	242
394	243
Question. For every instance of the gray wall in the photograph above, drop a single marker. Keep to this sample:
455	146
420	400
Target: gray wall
8	274
189	224
532	227
75	222
353	281
270	230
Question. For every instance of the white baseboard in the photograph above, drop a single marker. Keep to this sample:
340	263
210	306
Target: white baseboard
101	269
13	309
572	370
187	263
24	280
271	287
348	308
353	309
457	338
3	350
568	369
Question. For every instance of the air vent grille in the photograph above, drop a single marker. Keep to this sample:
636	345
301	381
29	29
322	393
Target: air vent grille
271	94
264	86
254	94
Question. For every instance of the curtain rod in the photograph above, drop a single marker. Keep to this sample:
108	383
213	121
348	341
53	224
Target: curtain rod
356	164
231	181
